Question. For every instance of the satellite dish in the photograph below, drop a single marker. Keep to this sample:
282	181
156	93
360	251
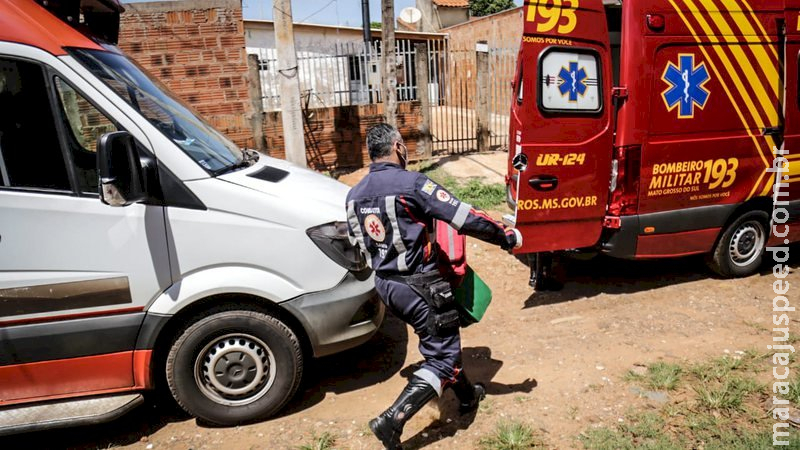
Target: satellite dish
411	15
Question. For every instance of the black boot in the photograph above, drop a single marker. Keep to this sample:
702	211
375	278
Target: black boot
469	395
389	425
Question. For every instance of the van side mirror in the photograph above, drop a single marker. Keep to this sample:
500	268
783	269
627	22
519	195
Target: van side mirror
119	169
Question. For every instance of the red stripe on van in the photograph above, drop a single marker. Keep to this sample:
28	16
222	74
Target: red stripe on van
74	377
57	318
677	244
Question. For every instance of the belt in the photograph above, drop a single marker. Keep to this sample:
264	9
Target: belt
412	279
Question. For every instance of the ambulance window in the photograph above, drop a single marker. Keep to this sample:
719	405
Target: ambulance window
570	81
520	87
30	152
85	126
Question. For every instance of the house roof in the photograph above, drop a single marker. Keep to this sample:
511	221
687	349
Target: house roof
452	3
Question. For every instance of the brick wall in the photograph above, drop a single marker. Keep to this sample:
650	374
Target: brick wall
340	134
501	30
197	49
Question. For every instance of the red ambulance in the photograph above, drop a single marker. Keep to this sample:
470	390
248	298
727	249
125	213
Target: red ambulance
657	128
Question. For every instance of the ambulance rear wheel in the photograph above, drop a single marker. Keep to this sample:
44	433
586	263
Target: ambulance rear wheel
740	249
234	367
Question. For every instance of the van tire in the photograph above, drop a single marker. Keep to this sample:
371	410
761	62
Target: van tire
234	367
740	249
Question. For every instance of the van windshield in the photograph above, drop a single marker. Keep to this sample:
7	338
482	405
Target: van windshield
176	120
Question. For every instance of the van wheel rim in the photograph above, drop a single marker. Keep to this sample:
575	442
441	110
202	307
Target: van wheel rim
746	243
235	369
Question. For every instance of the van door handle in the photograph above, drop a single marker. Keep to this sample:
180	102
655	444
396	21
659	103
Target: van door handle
772	131
544	183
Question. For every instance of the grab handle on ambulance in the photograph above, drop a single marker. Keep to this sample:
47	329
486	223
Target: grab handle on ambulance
544	183
772	131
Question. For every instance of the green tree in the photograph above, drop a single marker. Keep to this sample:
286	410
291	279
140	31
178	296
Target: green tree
377	25
485	7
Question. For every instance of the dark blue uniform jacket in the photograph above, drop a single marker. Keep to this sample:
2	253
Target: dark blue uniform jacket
391	213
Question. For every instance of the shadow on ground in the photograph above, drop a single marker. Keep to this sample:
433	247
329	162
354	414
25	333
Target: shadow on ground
376	361
606	275
480	367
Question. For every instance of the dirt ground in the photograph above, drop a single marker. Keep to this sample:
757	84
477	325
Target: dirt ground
554	360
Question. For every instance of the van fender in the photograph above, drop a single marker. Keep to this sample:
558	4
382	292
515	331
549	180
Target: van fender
223	280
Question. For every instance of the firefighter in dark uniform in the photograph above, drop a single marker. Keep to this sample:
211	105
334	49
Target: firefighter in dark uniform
391	214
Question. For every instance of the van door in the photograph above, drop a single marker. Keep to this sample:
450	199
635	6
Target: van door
791	142
561	125
75	275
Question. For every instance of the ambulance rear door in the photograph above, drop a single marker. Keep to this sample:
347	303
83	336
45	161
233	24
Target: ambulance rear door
561	125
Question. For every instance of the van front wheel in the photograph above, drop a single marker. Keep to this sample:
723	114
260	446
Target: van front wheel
234	367
740	249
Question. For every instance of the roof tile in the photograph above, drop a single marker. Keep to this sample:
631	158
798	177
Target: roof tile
452	3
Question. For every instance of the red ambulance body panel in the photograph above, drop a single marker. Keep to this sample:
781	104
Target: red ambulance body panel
696	114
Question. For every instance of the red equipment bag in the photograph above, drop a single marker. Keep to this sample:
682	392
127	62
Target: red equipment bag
452	253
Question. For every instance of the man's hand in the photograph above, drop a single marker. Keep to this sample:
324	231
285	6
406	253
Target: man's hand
513	239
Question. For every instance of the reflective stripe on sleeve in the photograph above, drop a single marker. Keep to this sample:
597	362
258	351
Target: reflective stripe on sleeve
397	239
352	219
461	215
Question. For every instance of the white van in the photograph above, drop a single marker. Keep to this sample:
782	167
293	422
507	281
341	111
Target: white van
213	270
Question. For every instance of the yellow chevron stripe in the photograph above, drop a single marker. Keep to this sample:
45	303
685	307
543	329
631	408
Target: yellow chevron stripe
793	169
724	84
764	33
709	33
793	180
768	186
746	66
792	156
771	72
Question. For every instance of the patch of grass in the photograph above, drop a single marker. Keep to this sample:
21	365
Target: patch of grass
727	396
660	376
648	425
325	441
606	439
794	391
473	191
731	440
663	376
718	404
511	436
720	368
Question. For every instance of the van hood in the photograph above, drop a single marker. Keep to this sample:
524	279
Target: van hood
320	196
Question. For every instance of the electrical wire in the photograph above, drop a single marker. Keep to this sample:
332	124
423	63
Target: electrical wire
316	12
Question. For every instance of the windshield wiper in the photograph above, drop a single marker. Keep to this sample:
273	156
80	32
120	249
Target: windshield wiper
249	157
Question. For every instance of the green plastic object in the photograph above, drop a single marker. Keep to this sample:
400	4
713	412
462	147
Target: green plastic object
473	298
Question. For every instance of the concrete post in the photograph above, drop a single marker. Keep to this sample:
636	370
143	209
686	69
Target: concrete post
424	146
289	74
482	98
389	63
254	91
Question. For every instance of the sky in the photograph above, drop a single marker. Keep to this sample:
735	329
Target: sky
328	12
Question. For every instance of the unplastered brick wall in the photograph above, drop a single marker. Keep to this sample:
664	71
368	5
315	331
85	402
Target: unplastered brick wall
196	48
335	137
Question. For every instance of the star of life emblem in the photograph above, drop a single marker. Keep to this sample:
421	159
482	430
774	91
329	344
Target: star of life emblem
374	228
686	86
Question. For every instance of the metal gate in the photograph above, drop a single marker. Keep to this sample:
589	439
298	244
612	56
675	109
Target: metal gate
453	90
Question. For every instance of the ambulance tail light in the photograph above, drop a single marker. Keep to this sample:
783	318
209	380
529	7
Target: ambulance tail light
624	187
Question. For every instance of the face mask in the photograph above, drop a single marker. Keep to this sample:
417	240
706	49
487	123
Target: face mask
403	156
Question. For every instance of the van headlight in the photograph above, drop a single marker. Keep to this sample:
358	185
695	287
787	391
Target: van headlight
333	240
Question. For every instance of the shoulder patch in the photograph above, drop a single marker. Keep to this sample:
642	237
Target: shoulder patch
429	187
443	196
